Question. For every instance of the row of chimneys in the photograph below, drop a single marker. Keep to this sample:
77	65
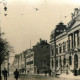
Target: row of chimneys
43	40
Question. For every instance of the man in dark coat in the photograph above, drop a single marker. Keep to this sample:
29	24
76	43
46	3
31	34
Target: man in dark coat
16	74
4	72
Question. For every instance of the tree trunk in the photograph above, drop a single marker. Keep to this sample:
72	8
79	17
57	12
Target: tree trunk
0	73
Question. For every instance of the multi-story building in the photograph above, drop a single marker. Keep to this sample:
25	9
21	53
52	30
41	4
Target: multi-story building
22	64
30	61
42	56
65	45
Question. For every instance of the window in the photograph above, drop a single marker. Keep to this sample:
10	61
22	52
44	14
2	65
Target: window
75	61
64	48
47	47
78	38
56	50
56	63
41	46
64	61
29	56
21	55
60	49
52	51
67	45
52	63
70	60
30	62
60	62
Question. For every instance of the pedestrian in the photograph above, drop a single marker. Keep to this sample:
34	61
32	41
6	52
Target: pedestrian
4	72
16	74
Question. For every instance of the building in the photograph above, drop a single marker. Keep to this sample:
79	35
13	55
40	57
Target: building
42	56
38	58
65	45
22	64
35	60
30	61
16	62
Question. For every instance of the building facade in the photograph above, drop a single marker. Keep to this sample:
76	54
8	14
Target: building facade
30	61
65	45
42	56
38	58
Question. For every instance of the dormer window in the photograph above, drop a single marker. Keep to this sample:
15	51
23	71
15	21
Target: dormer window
57	30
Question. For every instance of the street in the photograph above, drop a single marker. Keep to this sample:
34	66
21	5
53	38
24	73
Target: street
36	77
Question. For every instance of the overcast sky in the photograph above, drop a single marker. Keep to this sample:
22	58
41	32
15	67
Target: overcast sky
23	23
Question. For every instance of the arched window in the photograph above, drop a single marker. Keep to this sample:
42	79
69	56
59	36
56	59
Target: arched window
70	60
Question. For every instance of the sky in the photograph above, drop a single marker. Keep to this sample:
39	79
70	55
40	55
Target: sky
24	23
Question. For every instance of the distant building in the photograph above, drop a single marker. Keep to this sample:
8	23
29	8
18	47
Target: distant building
65	45
16	62
22	64
30	61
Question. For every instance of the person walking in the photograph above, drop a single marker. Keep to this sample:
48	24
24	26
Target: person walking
16	74
4	72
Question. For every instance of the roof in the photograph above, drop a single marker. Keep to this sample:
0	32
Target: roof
42	42
60	28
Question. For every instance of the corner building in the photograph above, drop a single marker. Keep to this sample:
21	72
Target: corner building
65	45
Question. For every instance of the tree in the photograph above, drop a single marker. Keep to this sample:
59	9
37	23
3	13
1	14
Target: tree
5	48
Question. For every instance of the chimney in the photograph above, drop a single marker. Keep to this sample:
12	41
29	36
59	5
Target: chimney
40	39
